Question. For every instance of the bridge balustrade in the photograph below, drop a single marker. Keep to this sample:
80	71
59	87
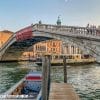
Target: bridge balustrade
54	28
80	31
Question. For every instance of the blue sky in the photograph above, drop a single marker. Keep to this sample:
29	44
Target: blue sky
16	14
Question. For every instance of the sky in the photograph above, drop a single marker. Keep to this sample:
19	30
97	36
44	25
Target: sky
17	14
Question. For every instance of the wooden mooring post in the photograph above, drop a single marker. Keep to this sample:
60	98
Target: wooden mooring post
46	77
65	69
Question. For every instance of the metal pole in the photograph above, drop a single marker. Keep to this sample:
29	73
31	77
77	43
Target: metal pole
46	77
65	69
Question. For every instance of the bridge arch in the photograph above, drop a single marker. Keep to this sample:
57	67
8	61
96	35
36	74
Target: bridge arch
37	33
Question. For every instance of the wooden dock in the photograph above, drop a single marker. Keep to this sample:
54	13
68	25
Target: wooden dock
62	91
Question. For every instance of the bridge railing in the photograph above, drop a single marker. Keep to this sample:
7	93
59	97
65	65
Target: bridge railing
81	31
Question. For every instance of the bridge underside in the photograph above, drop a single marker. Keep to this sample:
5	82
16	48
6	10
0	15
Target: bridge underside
14	52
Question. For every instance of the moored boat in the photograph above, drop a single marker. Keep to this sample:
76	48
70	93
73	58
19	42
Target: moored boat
75	59
27	88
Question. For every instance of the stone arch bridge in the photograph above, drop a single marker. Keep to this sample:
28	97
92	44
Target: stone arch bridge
88	39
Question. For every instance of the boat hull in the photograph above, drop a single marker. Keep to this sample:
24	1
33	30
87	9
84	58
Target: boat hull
27	88
71	63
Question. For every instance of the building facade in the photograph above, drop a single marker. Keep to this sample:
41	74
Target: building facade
4	36
39	49
71	49
53	47
47	47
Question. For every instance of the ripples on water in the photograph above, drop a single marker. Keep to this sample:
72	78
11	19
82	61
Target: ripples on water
10	73
85	79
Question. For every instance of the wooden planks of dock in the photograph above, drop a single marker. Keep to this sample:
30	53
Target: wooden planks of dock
62	91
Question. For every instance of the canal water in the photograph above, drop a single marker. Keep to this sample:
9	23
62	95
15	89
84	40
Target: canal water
84	78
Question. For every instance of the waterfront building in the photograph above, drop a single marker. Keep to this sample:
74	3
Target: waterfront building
71	49
28	54
4	36
47	47
54	46
39	49
51	47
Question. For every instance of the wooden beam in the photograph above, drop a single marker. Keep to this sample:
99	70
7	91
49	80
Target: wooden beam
65	69
46	77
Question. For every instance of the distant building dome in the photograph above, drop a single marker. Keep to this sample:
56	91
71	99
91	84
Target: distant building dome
58	21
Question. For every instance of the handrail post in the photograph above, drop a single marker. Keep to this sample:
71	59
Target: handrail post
46	77
65	69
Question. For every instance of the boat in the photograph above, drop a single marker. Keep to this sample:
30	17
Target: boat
73	59
27	88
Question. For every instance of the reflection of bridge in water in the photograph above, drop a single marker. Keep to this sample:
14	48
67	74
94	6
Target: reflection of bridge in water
88	39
